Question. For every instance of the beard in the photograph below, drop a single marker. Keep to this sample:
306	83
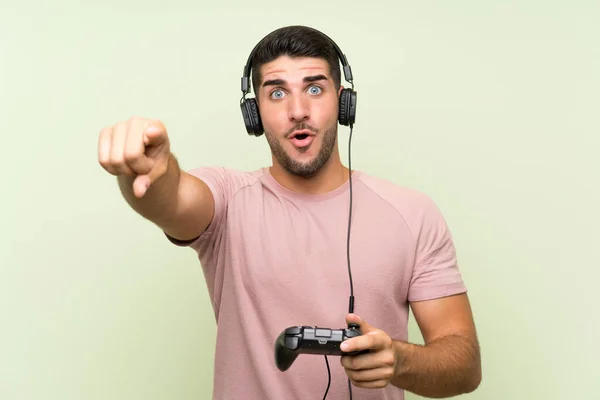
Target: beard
308	168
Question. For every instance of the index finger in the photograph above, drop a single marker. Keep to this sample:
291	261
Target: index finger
155	133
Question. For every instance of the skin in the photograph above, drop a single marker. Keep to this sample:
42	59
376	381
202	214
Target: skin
137	152
287	101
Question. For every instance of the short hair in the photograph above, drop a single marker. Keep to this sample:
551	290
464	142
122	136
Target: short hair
295	41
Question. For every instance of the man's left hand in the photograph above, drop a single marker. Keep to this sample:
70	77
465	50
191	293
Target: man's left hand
377	367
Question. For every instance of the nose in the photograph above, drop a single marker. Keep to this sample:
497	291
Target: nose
298	108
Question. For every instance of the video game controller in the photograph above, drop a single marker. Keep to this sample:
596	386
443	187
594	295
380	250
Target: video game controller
297	340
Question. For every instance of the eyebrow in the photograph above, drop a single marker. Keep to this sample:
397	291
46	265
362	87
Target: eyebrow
280	82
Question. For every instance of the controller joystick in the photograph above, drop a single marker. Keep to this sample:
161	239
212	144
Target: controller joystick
297	340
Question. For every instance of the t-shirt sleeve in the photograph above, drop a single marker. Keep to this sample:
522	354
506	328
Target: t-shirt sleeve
436	273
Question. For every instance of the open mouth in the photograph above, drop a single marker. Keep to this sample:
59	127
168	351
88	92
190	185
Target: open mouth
302	139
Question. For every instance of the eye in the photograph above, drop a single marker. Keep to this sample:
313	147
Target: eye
277	94
314	90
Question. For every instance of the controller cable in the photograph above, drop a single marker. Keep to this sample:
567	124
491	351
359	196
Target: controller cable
351	300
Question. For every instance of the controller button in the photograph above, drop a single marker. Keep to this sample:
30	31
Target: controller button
295	330
323	332
291	343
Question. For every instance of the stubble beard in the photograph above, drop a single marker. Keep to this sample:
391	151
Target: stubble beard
304	169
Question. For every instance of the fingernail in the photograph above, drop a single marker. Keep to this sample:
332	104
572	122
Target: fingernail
343	346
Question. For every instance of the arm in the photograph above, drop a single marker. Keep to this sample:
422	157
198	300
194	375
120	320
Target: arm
449	363
138	152
179	203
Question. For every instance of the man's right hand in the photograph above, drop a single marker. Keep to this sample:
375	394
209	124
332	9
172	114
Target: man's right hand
138	148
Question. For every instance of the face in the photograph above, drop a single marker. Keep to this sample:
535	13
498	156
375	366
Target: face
298	104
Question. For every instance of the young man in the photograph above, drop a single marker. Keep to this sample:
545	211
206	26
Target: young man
273	244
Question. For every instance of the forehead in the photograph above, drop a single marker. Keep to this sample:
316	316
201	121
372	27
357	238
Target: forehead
288	68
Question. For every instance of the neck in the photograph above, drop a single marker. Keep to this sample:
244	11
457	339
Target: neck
330	177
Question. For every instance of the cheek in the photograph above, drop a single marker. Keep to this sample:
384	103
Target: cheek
327	109
272	118
325	116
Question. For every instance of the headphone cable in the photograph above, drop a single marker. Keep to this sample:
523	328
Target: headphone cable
351	301
351	304
328	377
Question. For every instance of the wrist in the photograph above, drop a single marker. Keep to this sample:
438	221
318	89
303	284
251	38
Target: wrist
405	354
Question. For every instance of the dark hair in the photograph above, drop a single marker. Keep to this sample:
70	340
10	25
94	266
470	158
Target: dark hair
295	41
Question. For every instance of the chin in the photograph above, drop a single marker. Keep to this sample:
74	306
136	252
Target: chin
302	162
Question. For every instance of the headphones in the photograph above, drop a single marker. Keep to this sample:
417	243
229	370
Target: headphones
249	106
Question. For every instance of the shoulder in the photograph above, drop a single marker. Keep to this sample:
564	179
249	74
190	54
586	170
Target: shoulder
414	209
408	202
227	181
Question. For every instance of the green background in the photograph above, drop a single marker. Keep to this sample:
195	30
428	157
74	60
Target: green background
491	108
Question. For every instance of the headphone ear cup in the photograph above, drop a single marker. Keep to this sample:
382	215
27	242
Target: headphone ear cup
251	117
347	112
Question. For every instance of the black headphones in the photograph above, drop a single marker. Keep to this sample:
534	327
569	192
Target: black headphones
347	110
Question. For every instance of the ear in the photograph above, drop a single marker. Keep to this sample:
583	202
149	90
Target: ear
340	91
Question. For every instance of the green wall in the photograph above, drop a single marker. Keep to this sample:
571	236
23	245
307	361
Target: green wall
491	108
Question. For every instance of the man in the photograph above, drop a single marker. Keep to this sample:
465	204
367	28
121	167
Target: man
273	245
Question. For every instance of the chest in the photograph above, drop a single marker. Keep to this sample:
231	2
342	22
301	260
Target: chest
303	252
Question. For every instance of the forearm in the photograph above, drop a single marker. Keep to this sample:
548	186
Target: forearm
159	204
446	367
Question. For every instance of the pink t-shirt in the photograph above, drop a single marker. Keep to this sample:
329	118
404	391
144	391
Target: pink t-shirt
273	258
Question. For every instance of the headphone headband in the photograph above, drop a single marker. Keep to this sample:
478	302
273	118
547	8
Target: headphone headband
247	68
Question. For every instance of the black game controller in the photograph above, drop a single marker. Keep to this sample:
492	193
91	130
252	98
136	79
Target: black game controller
297	340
